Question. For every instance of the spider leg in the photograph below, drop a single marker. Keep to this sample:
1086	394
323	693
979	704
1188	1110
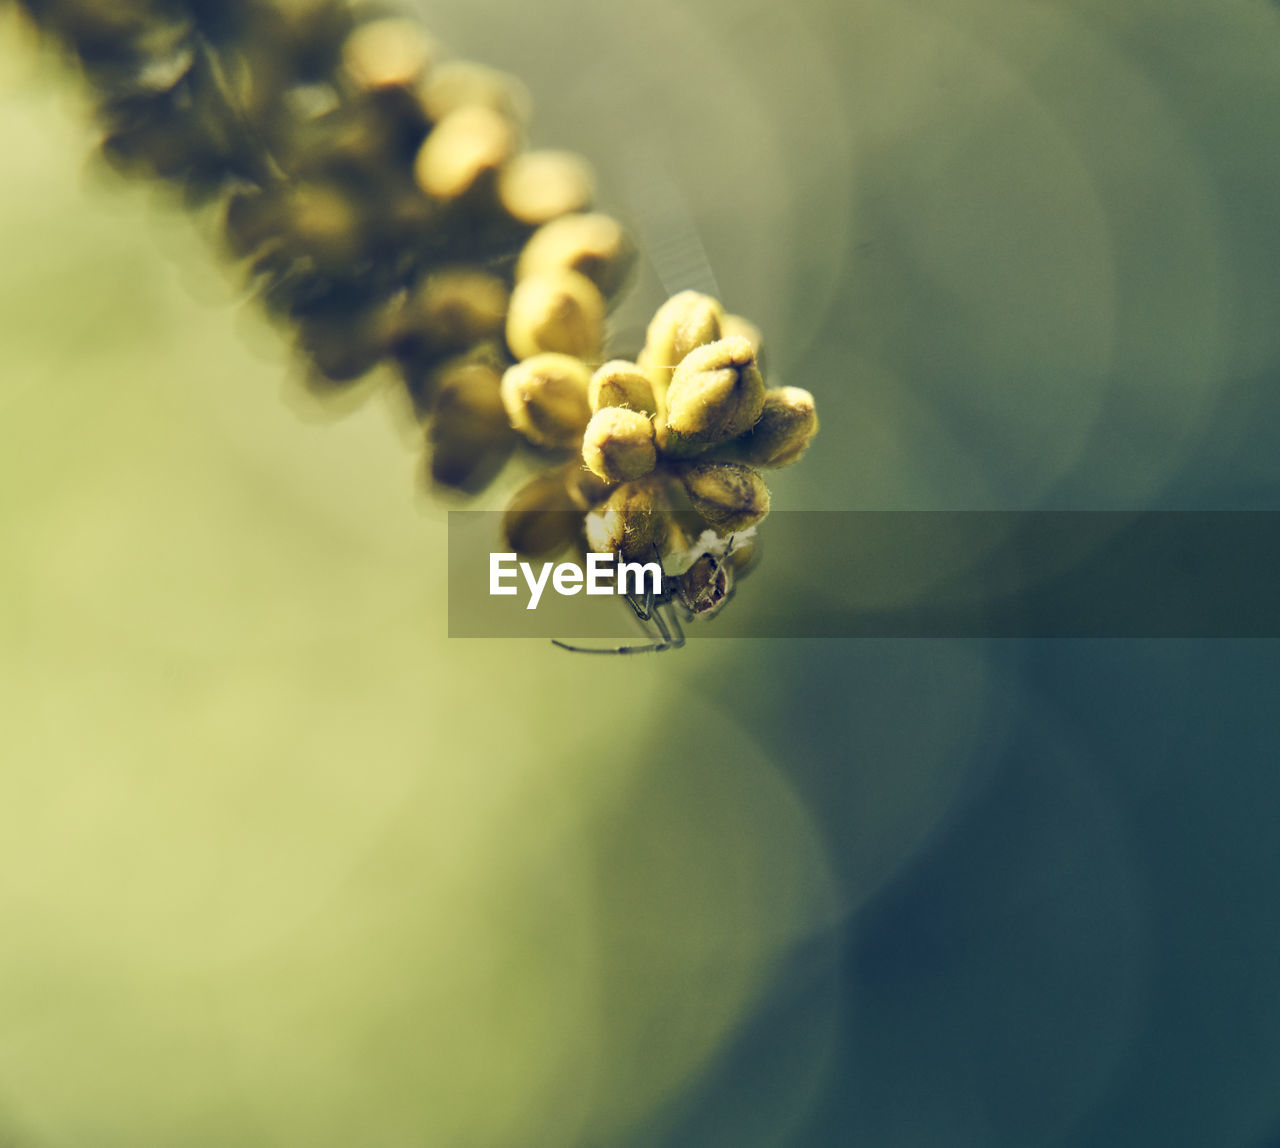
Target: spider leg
667	642
645	612
652	647
648	647
672	633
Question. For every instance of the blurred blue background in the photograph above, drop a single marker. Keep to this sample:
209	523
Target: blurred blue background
281	864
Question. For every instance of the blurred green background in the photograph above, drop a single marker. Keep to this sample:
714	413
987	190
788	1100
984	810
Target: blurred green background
280	864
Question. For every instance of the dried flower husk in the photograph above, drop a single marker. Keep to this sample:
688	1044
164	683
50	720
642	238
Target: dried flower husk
545	397
558	311
728	495
618	444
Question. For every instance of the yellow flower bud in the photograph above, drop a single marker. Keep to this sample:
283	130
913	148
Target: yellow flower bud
462	84
467	402
540	518
586	490
545	397
737	325
621	384
464	148
539	186
452	310
685	321
592	245
728	495
715	395
784	430
345	345
324	223
252	217
467	428
632	522
391	52
618	444
556	311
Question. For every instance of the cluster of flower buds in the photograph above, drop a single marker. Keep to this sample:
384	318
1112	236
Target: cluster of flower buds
670	445
387	212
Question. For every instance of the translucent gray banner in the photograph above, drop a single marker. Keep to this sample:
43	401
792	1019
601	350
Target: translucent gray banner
903	574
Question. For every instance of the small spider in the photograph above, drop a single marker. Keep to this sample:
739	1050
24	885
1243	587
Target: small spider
696	589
